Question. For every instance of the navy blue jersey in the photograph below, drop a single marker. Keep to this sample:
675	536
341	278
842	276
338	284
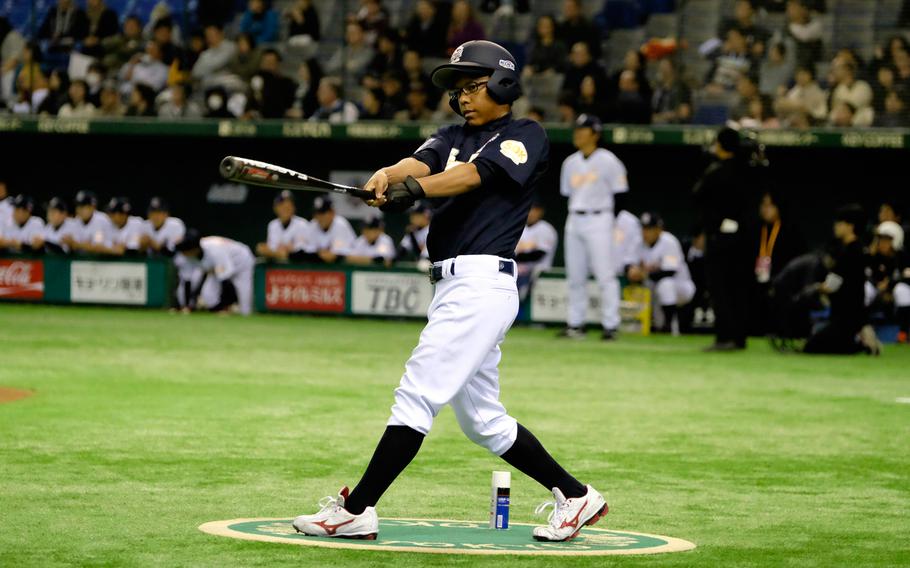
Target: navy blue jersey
510	156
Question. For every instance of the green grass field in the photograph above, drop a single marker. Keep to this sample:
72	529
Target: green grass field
146	424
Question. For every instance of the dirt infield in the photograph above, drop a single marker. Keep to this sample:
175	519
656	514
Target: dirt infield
11	395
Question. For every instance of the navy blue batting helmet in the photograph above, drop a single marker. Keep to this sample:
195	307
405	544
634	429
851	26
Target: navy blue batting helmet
476	59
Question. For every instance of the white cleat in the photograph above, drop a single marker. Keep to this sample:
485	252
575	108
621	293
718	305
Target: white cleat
333	520
570	515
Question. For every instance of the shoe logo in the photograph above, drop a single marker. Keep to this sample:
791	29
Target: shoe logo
330	529
574	522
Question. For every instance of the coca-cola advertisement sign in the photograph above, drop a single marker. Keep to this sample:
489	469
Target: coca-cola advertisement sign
305	291
21	279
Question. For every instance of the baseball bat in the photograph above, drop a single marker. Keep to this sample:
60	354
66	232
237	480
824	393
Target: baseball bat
263	174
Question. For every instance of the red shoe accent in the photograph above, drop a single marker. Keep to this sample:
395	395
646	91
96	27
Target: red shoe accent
330	529
574	522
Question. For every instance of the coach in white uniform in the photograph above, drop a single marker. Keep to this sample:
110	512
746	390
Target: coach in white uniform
24	232
330	235
590	178
286	233
163	232
413	245
627	241
536	249
6	207
373	246
94	229
662	266
59	227
130	231
227	268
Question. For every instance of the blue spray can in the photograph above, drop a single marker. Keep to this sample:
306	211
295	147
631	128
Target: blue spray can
499	500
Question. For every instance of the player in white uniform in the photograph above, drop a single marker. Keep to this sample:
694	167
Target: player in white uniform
59	227
373	246
330	235
162	232
591	178
662	266
95	231
24	231
130	231
227	269
627	241
536	249
287	233
413	245
6	206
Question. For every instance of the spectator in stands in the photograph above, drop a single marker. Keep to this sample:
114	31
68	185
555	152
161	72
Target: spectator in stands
372	105
11	46
895	112
417	108
147	69
393	89
303	23
776	71
305	99
120	48
747	92
94	78
94	228
191	55
31	82
902	70
581	65
733	61
177	104
163	231
217	56
25	232
59	227
163	35
77	106
58	87
413	245
672	99
412	64
855	92
744	21
141	101
884	83
286	234
632	105
332	107
426	31
804	99
387	57
373	246
111	104
331	234
843	115
374	19
260	21
102	24
635	62
245	62
64	25
565	106
463	26
351	62
591	102
574	27
214	12
444	112
546	54
805	30
162	14
273	92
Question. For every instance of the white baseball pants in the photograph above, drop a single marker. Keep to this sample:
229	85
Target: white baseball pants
456	361
589	242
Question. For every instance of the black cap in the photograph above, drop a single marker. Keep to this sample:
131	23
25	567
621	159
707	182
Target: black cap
651	219
322	204
59	204
85	197
852	214
373	222
119	205
589	121
285	195
23	201
728	139
158	204
190	241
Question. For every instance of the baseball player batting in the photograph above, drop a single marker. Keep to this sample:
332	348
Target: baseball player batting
480	174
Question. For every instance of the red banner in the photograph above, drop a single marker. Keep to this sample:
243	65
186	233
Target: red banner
21	279
305	291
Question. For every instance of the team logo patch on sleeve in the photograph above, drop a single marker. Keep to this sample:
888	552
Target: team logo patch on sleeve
514	150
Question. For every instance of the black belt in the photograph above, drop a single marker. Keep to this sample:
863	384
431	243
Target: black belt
591	212
505	266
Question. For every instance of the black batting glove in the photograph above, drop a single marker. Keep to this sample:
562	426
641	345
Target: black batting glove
401	196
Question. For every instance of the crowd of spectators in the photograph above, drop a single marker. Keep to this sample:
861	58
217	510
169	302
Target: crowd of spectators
264	63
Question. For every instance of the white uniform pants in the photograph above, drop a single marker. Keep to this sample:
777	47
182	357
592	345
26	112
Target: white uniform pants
210	295
456	361
674	292
588	248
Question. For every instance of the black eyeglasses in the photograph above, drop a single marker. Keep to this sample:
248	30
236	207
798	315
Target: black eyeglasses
469	89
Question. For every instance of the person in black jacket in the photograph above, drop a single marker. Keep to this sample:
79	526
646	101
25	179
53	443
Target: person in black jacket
64	25
844	289
723	196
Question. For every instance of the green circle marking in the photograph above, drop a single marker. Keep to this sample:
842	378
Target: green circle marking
455	537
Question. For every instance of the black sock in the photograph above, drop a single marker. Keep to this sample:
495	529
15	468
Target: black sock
903	318
528	456
396	449
669	314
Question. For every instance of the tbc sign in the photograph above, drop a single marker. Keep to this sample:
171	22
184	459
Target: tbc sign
305	291
22	279
395	294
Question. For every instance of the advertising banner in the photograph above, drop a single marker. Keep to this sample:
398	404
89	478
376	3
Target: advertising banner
305	291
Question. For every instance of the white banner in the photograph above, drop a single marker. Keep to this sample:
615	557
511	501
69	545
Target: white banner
550	301
109	282
393	294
